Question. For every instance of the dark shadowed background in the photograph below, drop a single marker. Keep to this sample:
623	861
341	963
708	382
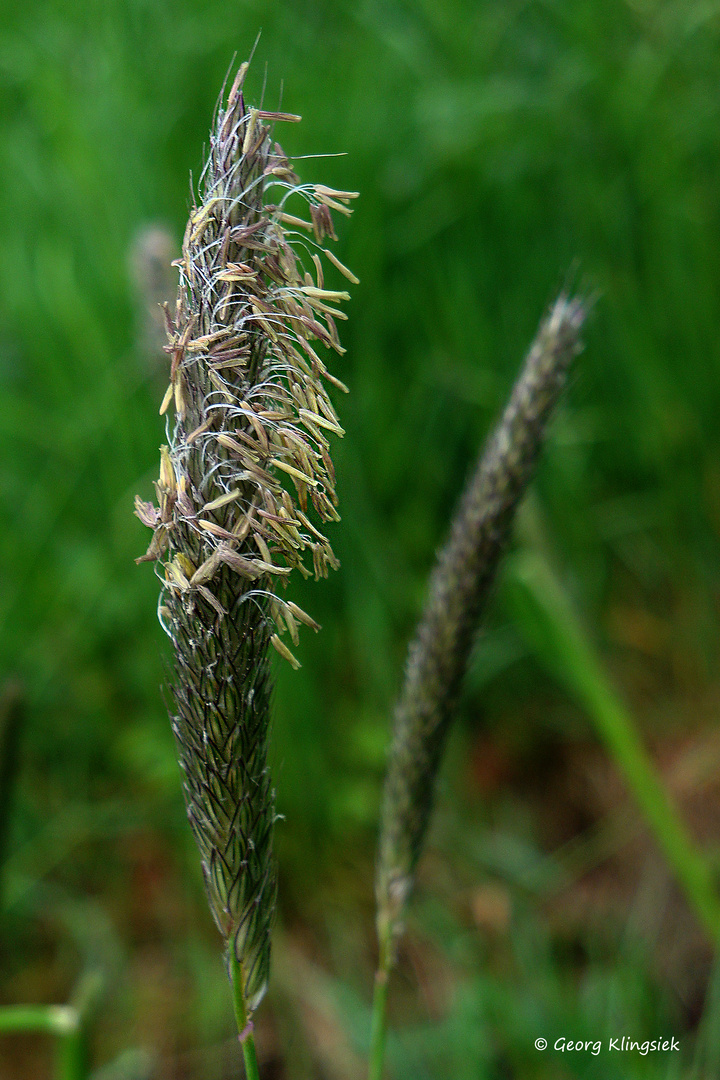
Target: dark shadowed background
502	151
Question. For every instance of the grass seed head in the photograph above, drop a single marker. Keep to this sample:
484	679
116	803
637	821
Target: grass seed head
459	587
245	472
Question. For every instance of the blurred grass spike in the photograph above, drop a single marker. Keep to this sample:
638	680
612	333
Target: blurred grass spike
438	656
244	466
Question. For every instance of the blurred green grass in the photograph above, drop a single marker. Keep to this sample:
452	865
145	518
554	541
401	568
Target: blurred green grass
494	145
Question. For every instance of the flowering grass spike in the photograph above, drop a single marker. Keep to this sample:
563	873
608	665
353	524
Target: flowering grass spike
246	483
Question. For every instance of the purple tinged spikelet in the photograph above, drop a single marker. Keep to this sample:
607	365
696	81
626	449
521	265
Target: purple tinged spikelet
458	590
245	482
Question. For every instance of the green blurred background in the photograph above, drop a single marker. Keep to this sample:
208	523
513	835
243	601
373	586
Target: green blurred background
503	151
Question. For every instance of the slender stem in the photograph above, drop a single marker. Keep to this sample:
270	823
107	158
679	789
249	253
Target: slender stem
64	1021
12	709
378	1030
55	1019
72	1055
244	1025
572	655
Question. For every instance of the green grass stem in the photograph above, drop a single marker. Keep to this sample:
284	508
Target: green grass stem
49	1019
244	1026
378	1029
556	629
64	1021
72	1052
12	715
68	1022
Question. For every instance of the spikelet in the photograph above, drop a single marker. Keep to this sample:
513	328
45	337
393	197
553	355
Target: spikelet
245	482
459	587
